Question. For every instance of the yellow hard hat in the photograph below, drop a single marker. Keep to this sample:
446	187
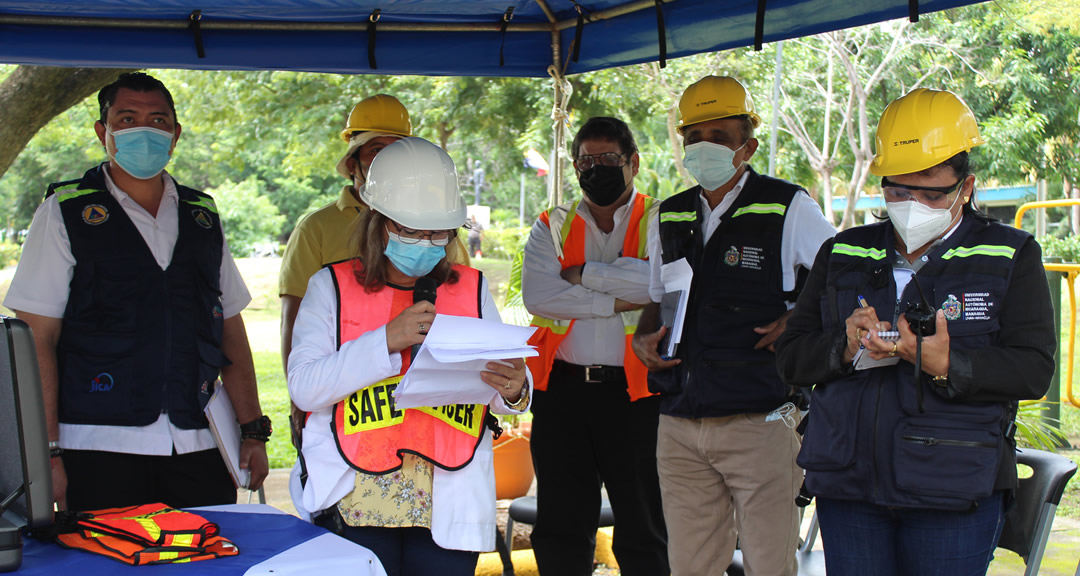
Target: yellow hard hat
378	113
921	130
715	97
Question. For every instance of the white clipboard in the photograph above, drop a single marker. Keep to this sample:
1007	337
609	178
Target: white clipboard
226	431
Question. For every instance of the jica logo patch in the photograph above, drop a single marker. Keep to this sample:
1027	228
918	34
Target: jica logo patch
102	383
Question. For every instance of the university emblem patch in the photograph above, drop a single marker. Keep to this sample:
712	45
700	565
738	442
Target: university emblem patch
95	214
952	307
731	257
202	218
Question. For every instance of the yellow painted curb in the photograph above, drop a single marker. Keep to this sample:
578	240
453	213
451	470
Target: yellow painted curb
491	565
525	563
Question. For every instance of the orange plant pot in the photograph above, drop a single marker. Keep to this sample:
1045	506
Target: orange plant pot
513	466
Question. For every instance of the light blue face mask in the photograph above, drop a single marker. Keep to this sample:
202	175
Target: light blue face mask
710	164
142	152
413	260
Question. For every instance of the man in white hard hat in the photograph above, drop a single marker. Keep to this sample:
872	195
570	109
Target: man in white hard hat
326	235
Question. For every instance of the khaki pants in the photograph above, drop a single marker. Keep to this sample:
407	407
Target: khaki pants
722	477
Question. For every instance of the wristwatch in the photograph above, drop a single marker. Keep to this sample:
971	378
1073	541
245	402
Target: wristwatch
522	401
55	449
258	429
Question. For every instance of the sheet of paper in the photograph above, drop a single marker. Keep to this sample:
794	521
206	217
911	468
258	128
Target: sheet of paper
226	432
863	361
456	350
677	277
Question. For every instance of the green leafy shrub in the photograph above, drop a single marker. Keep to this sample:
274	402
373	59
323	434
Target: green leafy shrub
9	253
504	243
251	221
1068	248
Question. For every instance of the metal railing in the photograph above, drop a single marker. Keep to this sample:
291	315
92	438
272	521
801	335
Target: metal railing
1071	271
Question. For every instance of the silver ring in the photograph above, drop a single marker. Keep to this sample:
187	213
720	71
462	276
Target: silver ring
507	385
421	325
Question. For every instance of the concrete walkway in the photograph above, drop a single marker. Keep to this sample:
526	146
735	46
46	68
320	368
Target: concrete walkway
1062	554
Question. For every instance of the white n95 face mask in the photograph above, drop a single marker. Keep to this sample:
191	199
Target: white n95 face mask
710	164
919	224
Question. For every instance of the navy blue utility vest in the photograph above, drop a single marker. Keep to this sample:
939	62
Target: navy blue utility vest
737	286
868	438
138	340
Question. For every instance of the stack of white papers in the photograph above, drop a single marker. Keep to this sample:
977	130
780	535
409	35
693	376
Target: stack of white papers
456	350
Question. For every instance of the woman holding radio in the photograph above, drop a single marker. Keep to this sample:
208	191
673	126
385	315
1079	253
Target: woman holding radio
909	444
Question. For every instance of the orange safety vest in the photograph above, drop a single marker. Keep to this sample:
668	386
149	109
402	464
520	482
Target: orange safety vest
148	534
371	434
568	234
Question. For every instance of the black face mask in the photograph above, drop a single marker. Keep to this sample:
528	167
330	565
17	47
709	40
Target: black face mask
603	184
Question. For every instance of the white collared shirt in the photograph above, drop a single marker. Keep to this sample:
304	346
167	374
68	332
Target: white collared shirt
805	230
598	333
42	285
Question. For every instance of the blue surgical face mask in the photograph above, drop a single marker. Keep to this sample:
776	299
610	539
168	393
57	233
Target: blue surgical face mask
710	164
413	260
142	152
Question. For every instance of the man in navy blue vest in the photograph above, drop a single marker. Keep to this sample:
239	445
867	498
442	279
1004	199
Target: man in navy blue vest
134	302
726	443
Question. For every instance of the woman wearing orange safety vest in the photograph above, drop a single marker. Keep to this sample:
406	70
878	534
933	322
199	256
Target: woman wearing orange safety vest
416	486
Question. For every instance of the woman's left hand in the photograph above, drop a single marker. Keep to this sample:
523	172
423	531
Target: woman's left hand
506	380
935	349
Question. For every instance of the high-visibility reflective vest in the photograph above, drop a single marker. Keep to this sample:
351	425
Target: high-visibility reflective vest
568	234
148	534
370	432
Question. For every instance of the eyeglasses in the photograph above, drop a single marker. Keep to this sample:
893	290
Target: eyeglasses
410	236
894	192
587	161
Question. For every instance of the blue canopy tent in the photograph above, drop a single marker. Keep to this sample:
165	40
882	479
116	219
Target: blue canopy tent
425	37
524	38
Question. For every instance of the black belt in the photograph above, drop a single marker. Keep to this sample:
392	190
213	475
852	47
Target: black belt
594	374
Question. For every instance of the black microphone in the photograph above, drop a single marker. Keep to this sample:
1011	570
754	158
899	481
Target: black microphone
423	291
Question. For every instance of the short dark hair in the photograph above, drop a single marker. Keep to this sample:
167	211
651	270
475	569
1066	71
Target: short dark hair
137	81
606	128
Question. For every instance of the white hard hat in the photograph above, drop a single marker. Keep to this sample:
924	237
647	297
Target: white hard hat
414	183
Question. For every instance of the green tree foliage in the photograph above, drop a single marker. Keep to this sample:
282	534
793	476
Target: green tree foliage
1016	66
250	220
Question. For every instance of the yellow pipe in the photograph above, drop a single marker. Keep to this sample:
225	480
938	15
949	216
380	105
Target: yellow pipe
1071	271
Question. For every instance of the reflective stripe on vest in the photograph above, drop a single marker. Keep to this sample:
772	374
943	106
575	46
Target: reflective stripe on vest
148	534
980	250
777	209
858	251
568	235
371	434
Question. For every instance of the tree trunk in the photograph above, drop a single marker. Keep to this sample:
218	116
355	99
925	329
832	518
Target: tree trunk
34	95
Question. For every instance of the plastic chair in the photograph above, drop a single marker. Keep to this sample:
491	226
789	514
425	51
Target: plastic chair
524	510
1028	523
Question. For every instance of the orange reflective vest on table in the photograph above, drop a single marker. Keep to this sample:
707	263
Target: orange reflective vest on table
148	534
568	234
370	432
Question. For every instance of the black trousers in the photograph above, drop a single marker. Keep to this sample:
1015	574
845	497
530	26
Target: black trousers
109	479
585	434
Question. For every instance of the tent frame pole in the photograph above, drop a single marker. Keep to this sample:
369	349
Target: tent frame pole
359	26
